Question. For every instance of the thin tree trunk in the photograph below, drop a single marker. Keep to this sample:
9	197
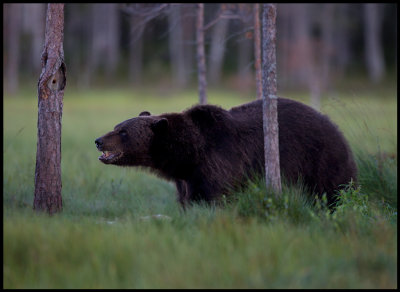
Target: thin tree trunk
201	60
270	101
50	94
257	50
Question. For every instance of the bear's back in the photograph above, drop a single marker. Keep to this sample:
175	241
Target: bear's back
310	145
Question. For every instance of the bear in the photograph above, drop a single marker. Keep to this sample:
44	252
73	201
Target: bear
208	151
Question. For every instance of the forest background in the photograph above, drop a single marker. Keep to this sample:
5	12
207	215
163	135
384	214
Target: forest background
319	46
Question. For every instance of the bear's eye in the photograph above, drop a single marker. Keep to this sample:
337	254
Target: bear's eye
123	133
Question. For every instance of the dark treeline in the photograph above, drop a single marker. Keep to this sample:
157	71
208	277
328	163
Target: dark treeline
140	44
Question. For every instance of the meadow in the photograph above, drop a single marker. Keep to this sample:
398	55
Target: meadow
122	227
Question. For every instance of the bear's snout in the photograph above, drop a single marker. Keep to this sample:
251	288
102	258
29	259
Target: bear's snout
99	143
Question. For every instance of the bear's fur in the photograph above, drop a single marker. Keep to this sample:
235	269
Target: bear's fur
208	151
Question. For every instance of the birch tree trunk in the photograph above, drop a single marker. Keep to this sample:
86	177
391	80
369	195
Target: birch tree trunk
201	59
270	101
50	94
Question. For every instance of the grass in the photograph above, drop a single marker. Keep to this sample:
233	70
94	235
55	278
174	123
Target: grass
105	239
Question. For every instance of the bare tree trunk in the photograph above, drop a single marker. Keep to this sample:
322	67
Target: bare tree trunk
270	100
201	59
50	94
257	50
373	41
176	48
13	47
217	50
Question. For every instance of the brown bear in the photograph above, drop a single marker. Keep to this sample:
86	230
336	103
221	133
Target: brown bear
208	151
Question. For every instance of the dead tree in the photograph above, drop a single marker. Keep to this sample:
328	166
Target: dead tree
270	101
50	94
201	59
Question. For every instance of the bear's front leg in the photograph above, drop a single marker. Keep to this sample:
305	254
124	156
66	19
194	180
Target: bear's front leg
183	193
189	192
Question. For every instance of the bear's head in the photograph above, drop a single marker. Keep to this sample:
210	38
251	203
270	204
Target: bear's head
129	143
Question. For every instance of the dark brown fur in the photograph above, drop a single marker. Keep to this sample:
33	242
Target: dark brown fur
207	150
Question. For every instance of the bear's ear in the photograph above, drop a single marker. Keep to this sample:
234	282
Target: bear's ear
160	126
145	113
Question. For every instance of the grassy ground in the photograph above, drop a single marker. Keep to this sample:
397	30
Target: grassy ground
106	238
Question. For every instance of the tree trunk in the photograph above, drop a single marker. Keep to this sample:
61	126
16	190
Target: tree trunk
270	101
201	60
50	94
373	41
257	50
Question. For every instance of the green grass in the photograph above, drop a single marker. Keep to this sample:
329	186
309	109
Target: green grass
104	239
